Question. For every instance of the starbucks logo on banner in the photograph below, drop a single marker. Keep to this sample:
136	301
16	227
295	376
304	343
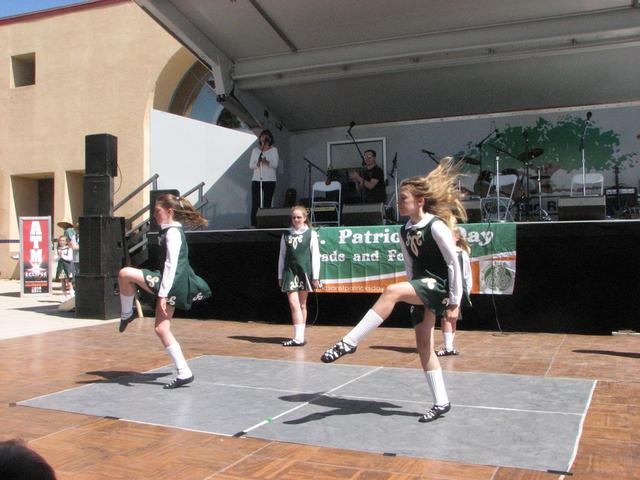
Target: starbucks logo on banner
498	277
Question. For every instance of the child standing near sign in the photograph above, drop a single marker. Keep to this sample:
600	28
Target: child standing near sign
65	270
449	326
298	270
176	286
432	203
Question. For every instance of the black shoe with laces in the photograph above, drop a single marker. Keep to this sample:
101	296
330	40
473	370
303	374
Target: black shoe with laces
293	343
178	382
124	322
445	353
436	412
338	350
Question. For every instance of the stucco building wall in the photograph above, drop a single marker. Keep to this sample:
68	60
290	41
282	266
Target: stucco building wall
100	68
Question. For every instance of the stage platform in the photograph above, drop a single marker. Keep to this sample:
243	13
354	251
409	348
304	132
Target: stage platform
572	277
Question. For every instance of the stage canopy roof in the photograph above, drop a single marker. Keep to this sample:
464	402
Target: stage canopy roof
326	63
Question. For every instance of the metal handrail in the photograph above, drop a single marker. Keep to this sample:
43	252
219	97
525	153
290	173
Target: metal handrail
138	245
201	202
153	179
138	214
136	228
197	187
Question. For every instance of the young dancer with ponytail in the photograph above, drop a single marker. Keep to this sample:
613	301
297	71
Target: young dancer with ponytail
175	286
432	204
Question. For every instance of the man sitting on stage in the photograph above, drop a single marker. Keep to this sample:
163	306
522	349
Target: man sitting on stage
371	183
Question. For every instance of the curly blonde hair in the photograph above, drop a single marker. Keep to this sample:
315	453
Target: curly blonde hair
183	211
440	190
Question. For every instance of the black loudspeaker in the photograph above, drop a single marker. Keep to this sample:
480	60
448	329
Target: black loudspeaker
621	199
102	245
273	218
472	208
582	208
366	214
98	195
101	154
153	195
97	296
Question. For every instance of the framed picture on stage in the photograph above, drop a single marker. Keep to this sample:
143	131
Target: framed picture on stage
345	155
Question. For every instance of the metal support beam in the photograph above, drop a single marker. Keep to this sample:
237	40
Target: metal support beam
177	25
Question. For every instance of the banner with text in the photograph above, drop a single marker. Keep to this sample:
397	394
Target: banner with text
35	245
366	259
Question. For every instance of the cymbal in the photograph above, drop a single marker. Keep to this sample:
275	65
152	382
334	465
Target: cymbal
470	160
542	177
533	153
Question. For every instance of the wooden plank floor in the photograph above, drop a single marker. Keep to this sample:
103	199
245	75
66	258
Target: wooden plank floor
84	447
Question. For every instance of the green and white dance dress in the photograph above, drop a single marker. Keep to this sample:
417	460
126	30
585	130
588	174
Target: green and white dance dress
177	282
299	261
432	264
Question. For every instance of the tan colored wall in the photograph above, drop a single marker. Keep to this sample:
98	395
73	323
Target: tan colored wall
96	72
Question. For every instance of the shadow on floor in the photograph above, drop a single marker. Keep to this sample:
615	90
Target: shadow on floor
342	406
394	349
50	309
610	352
126	378
247	338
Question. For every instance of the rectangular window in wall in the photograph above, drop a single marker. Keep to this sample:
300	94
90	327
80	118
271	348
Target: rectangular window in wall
23	69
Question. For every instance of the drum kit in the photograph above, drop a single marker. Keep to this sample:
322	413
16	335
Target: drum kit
522	203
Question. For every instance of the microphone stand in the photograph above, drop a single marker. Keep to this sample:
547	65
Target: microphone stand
500	150
353	140
479	147
584	161
432	157
260	167
309	165
394	198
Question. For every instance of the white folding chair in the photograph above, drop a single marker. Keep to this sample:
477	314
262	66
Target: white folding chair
497	206
329	209
593	185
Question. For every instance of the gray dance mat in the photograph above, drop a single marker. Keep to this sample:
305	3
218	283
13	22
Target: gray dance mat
502	420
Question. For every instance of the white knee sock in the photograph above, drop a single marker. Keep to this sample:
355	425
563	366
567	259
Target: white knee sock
368	324
448	341
298	334
175	352
436	385
126	305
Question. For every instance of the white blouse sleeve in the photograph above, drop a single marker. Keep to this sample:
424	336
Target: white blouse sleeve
66	254
173	242
408	261
444	239
466	271
253	161
283	251
315	256
273	157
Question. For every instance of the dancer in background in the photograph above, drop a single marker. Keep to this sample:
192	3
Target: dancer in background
432	203
175	286
449	326
298	270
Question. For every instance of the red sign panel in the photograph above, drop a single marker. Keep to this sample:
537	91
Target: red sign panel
35	247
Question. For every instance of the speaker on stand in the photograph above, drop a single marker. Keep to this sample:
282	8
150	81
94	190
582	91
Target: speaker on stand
364	214
101	235
273	218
